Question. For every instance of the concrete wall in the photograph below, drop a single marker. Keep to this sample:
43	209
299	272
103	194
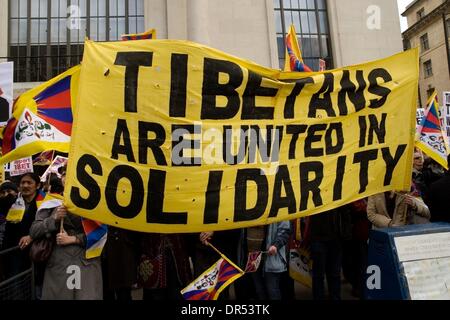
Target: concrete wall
428	5
352	38
245	28
3	28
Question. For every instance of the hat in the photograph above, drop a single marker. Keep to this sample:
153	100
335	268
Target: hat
8	185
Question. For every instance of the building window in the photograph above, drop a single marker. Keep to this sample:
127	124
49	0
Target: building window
420	13
46	36
448	26
427	68
430	91
424	42
310	19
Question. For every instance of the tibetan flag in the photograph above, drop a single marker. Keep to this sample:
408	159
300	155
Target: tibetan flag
44	158
40	198
293	56
213	281
430	137
42	118
96	234
51	201
253	261
17	210
147	35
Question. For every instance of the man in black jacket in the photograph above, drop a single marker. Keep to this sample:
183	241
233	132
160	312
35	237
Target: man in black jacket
4	108
438	196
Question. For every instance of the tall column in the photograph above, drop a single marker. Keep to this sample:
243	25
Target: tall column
198	21
3	29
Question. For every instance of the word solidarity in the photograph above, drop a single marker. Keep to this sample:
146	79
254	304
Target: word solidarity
173	136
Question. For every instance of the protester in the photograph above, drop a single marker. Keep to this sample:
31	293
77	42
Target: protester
438	196
327	231
68	257
17	230
119	264
271	240
392	208
8	195
164	268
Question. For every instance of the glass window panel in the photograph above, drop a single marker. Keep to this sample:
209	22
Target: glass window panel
14	25
77	36
132	7
34	31
278	22
321	4
141	25
302	4
311	4
113	7
324	46
312	22
101	36
112	28
132	24
276	4
315	46
304	21
323	22
140	7
286	4
294	4
296	21
93	29
121	8
93	8
287	18
59	8
23	8
83	8
23	31
120	28
38	8
305	45
14	8
280	44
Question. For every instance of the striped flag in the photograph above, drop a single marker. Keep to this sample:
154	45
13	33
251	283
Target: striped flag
430	137
17	210
253	261
293	56
42	118
96	234
213	281
147	35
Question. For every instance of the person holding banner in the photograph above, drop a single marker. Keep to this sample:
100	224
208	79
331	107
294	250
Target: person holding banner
68	256
20	216
164	267
392	209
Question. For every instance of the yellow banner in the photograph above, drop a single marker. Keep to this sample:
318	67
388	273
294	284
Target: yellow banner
173	136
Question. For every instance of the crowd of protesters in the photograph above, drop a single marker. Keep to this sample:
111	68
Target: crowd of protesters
163	264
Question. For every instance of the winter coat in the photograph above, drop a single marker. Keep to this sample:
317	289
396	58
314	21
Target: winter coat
65	261
438	199
120	258
277	235
377	211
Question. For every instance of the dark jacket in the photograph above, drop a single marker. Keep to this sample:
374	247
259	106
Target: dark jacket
438	200
331	225
120	258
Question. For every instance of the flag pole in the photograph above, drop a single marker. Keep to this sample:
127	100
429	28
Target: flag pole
223	256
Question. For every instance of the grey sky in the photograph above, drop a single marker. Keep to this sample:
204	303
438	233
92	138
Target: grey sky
401	7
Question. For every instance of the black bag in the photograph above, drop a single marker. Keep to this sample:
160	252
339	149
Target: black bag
41	249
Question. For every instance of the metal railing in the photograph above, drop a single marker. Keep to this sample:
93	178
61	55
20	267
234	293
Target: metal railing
19	286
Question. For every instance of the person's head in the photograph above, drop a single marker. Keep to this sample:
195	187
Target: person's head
418	160
8	187
56	185
62	172
29	184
